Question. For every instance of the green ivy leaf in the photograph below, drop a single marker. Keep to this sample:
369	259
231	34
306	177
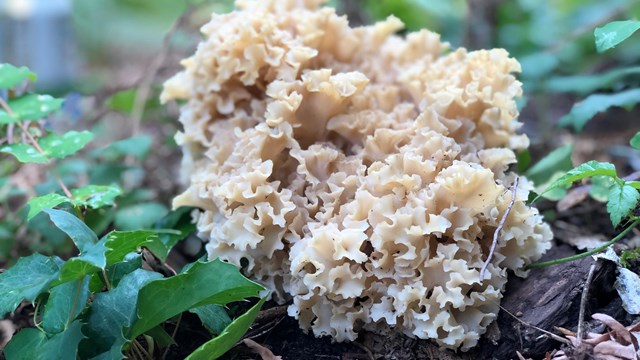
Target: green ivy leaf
30	107
213	282
140	216
113	311
585	110
53	146
39	203
116	272
33	344
79	233
219	345
92	253
65	303
180	220
24	153
56	146
95	196
26	344
27	279
622	199
214	317
587	84
559	160
121	243
583	171
614	33
11	76
635	141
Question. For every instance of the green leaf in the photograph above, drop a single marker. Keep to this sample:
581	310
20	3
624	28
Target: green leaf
11	76
27	279
116	272
635	141
65	303
56	146
79	233
39	203
26	344
139	216
214	317
63	346
114	353
219	345
92	253
583	171
585	110
179	219
95	196
213	282
587	84
53	146
614	33
559	160
24	153
600	187
30	107
121	243
113	311
86	263
622	199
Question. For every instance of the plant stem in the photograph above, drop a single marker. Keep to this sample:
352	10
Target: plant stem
34	142
587	253
106	279
173	336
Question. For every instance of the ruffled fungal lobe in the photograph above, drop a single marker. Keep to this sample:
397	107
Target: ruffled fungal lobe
357	172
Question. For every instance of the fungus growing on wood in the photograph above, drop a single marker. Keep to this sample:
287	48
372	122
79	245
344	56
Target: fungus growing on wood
359	174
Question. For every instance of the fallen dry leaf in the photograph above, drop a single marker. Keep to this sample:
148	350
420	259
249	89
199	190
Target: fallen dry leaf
7	328
613	348
573	197
264	353
619	331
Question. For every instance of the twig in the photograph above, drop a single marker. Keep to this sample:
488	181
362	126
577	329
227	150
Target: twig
33	141
500	225
262	330
146	80
583	303
550	334
106	280
173	336
586	253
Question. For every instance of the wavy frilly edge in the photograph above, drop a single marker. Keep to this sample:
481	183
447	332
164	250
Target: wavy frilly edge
359	173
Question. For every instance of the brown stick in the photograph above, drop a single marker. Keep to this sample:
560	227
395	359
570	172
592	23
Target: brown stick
144	89
500	225
550	334
583	303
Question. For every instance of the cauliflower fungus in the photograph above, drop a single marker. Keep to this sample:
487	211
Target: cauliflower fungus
358	173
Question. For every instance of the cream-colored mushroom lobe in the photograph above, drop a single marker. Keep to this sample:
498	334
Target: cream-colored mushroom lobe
359	174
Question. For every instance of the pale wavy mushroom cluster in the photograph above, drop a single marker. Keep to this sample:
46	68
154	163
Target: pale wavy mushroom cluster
360	173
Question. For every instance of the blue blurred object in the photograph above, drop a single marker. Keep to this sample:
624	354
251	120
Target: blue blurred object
39	34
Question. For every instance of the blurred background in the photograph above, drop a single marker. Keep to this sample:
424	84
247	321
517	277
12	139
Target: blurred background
108	58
